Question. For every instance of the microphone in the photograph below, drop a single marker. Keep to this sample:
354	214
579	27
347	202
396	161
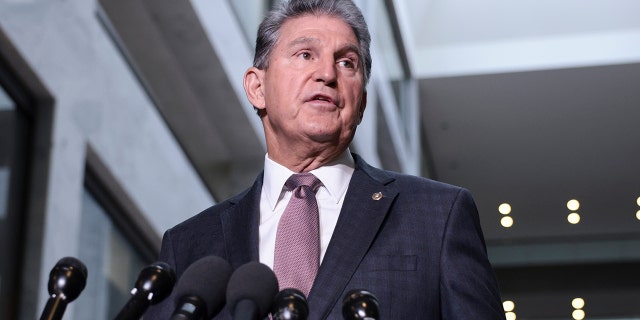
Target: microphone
66	281
200	290
290	304
360	305
251	290
154	284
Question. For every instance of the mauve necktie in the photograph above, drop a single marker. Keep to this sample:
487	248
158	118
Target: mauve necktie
297	253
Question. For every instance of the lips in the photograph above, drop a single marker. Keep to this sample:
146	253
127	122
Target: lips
322	97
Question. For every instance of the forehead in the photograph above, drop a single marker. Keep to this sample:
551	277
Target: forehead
320	27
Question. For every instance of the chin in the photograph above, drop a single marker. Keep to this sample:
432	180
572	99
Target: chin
322	136
333	138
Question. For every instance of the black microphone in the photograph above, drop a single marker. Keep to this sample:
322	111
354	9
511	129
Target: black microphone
154	284
290	304
360	305
201	288
66	281
251	291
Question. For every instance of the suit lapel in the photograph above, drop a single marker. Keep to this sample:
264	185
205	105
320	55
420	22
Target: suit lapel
362	215
240	223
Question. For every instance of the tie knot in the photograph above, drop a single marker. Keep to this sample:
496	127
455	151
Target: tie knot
303	179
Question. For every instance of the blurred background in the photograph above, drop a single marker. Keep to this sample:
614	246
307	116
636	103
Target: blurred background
121	118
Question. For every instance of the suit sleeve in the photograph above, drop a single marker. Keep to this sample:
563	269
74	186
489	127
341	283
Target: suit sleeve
468	285
165	308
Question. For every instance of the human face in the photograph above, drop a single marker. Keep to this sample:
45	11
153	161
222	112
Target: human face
313	90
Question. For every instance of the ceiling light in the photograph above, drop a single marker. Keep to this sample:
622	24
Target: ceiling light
578	314
638	201
577	303
638	215
506	222
504	208
508	305
510	316
573	204
573	218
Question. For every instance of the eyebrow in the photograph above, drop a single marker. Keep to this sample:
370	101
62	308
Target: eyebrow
349	48
308	40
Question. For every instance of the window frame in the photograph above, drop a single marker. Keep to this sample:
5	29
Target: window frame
32	98
124	213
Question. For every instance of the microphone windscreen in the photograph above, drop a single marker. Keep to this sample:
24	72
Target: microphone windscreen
290	304
253	281
360	304
157	279
207	279
74	263
68	276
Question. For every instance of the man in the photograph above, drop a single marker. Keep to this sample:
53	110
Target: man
416	244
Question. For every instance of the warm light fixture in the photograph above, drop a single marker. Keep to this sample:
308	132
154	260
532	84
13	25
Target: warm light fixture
578	314
508	305
504	208
506	222
573	218
638	215
573	204
638	201
510	315
577	303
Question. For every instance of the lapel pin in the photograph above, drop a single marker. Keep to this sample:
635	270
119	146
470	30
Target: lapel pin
376	196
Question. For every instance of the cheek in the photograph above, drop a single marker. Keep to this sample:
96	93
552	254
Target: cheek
356	100
276	96
284	89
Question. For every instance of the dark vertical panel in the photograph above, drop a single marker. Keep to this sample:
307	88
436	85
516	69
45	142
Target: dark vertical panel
25	148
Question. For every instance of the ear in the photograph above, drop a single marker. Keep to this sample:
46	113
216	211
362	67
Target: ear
253	80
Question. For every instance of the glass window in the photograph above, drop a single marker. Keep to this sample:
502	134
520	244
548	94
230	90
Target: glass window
386	43
249	14
391	58
113	263
5	174
6	107
5	102
387	47
14	134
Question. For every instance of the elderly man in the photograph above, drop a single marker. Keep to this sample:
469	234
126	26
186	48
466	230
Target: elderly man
414	243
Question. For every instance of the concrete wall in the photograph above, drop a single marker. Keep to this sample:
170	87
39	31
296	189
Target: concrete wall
101	104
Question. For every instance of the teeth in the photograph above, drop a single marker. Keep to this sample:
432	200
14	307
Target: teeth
322	99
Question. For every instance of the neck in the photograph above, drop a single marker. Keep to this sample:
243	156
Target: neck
304	159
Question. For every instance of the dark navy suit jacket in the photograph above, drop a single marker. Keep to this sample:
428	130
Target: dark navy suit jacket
419	249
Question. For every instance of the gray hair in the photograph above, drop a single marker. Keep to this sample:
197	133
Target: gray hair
269	30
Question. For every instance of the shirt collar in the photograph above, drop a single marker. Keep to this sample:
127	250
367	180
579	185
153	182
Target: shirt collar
335	177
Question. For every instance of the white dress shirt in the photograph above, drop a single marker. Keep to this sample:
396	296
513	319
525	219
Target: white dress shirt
335	177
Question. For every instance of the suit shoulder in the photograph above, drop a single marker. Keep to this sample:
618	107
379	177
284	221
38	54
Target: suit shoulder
209	216
406	181
426	183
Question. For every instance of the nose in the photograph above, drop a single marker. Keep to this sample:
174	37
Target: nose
326	72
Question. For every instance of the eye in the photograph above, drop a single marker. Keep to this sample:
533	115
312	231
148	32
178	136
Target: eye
306	55
347	63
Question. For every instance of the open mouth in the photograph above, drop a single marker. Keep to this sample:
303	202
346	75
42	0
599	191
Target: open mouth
320	97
